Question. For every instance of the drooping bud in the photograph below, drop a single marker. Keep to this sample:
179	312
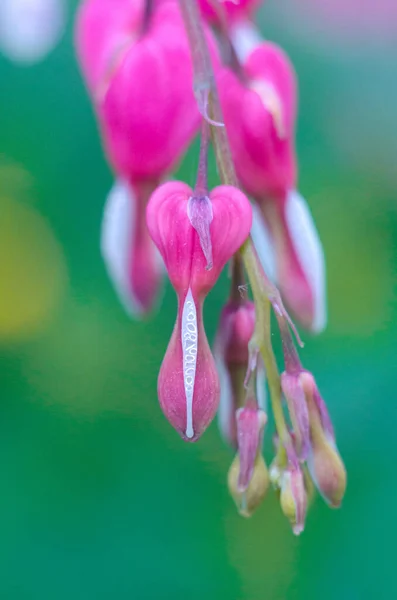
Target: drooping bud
236	327
293	497
247	501
250	426
298	411
186	236
132	260
324	462
141	82
259	114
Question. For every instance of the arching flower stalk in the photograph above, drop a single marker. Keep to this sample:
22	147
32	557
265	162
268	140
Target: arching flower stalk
153	70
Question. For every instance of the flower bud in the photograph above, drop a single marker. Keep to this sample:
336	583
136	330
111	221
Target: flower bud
324	462
132	260
250	426
248	501
327	470
196	236
236	327
298	411
293	497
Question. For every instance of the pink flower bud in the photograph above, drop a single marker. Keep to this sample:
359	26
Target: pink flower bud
132	260
142	84
233	9
324	462
250	426
196	236
298	411
231	354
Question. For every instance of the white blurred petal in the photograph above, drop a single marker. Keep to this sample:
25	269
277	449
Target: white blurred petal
117	241
309	251
245	38
263	243
29	29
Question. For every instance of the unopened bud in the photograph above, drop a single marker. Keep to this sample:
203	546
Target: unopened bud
250	425
293	498
327	469
249	500
324	462
236	327
298	411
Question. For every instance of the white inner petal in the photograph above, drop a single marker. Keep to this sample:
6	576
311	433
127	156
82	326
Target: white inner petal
309	251
189	339
263	243
245	38
116	242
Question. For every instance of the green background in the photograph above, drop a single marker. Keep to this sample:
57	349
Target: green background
99	498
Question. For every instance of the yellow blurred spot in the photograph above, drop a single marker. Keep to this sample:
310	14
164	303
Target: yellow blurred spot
32	270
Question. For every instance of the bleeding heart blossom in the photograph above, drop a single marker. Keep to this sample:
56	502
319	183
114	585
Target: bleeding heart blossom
260	112
141	80
196	235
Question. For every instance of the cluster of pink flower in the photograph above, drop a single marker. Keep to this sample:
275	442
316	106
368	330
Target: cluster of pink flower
157	71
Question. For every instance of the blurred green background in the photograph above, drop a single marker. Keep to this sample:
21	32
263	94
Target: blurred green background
99	497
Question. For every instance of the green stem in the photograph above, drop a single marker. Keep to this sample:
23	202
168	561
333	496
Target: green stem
262	290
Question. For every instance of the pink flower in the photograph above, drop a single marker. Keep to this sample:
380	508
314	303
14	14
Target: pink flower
105	29
141	81
196	236
132	260
260	113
